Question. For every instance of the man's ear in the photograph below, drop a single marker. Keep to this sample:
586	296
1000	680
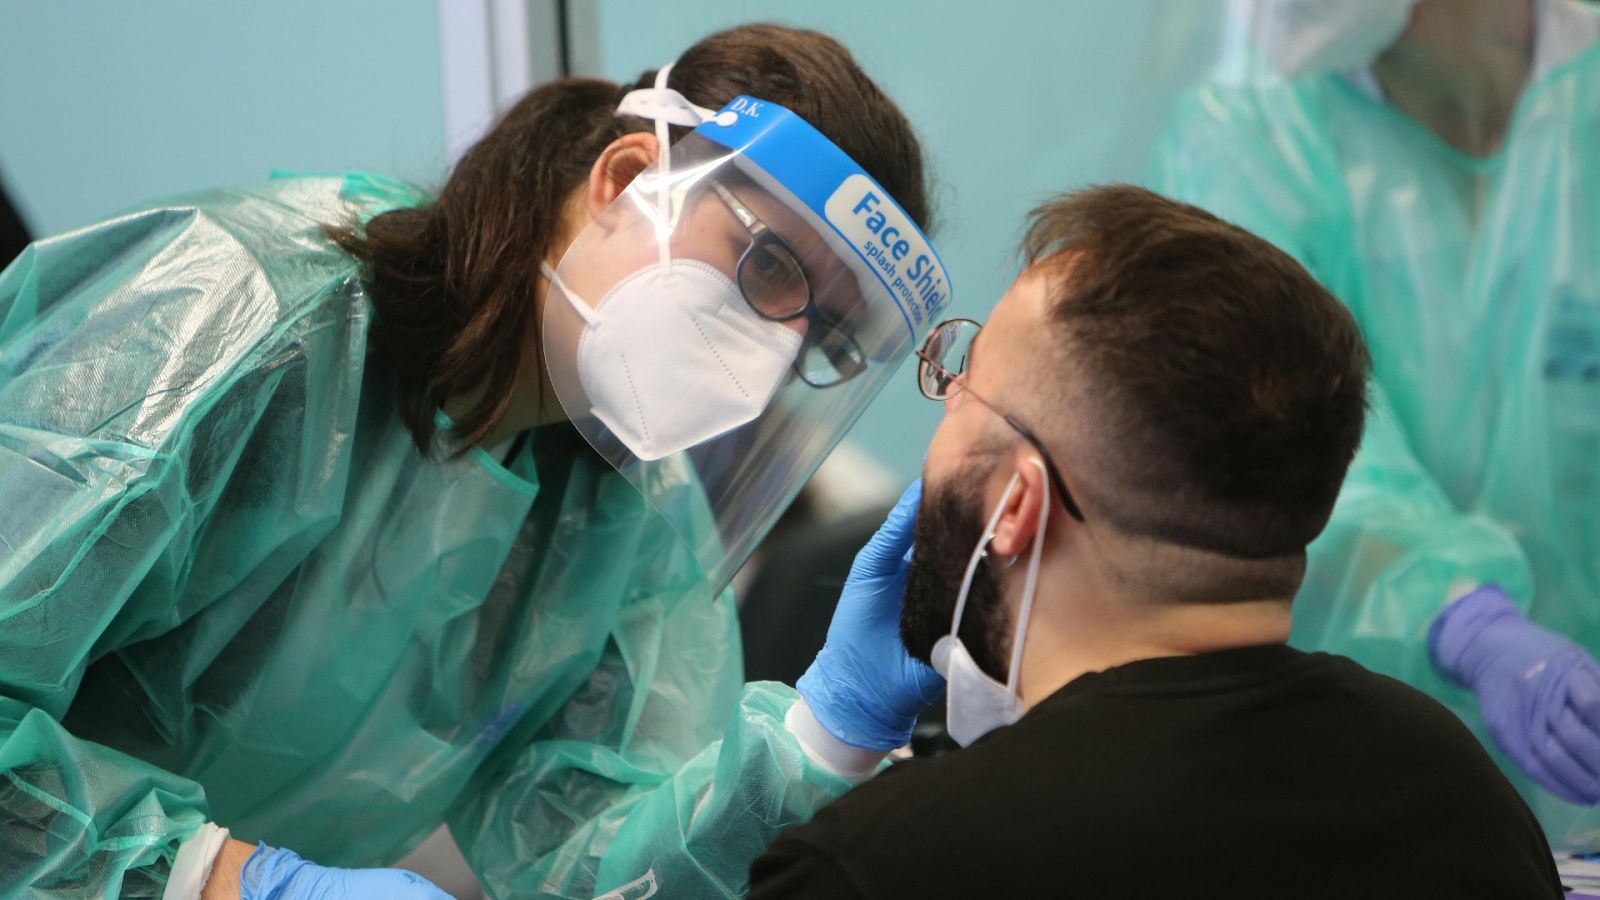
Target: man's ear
618	165
1019	523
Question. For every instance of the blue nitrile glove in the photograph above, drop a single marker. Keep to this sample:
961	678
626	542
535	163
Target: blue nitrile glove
863	687
271	874
1538	691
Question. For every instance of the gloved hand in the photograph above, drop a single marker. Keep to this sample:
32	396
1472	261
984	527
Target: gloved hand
863	687
271	874
1539	692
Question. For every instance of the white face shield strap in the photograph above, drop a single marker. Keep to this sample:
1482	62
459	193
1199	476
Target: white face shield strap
666	107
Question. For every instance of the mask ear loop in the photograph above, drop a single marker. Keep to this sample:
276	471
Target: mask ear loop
978	554
1025	613
589	314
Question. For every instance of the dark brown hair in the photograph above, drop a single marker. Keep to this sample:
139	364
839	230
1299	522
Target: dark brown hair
1229	386
453	282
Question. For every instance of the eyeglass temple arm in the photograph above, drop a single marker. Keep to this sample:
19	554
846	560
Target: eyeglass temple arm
1050	467
1056	480
746	217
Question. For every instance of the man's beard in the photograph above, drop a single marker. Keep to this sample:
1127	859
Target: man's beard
949	524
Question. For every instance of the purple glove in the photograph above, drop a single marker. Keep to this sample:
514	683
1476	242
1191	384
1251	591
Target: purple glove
1538	691
863	686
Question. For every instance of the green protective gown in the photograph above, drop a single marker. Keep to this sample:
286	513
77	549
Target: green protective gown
232	590
1477	285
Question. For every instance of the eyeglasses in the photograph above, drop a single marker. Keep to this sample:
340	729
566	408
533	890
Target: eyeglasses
773	282
941	372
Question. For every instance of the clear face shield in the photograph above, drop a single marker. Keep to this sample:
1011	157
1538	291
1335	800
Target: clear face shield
719	327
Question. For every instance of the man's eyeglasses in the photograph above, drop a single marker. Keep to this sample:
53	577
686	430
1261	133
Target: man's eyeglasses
941	372
773	282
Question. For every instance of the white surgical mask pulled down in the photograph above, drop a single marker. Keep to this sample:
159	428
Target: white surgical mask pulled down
976	704
673	356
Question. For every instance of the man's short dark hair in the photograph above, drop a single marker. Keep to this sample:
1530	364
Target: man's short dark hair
1227	387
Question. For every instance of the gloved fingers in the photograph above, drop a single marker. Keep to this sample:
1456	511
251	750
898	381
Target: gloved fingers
1516	738
285	875
1533	768
1571	782
397	883
885	554
928	683
1583	695
1580	742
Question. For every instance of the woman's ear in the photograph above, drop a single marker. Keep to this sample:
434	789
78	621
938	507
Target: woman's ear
1019	523
618	165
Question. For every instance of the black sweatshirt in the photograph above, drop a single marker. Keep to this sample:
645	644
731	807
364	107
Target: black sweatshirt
1257	772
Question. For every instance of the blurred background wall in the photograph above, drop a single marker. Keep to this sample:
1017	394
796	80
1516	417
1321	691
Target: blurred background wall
104	105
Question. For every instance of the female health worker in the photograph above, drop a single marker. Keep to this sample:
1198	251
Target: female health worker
321	521
1433	163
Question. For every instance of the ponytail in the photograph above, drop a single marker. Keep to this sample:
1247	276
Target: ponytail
452	282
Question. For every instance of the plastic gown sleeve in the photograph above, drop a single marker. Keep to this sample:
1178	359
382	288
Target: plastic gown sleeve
96	531
1394	554
1395	547
663	775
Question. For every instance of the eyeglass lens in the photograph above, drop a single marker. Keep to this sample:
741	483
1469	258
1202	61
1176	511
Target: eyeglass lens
774	283
944	357
829	356
773	280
